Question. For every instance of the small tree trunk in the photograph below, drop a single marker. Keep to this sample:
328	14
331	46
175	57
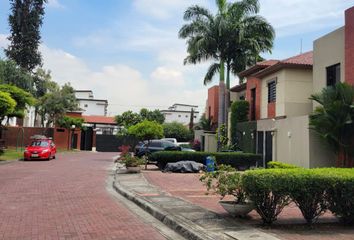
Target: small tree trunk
221	112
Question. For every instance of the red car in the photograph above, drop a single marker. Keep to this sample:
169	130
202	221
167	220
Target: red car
40	149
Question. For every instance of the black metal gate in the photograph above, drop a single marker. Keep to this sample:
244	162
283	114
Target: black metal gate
86	139
265	146
111	143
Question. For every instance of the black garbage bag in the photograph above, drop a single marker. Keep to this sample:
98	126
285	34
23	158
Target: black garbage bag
184	167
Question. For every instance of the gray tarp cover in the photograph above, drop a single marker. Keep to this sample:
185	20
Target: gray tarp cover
184	167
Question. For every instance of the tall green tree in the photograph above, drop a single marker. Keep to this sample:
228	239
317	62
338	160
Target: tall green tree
22	98
333	120
129	118
7	106
25	20
233	38
54	105
11	73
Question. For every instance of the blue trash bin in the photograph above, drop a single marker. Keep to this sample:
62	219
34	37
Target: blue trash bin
210	164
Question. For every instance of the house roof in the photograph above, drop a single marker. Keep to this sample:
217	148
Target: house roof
92	100
99	119
303	61
257	67
239	88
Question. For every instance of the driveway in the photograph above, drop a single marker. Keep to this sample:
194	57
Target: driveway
65	198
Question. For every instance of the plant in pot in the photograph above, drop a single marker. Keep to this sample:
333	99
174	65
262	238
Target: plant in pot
132	163
224	182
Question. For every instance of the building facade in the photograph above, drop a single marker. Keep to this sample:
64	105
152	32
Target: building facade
181	113
89	105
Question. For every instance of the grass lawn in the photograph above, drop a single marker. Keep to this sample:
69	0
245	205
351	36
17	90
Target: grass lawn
11	154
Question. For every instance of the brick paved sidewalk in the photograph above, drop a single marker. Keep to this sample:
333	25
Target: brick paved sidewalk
290	225
64	198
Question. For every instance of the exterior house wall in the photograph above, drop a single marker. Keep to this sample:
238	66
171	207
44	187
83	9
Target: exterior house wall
280	89
349	45
293	89
237	96
254	83
328	50
179	116
298	90
92	107
84	94
292	141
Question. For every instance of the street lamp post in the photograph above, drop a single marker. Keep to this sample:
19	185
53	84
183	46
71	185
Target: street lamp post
72	135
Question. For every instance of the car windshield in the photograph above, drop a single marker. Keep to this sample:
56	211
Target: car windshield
40	144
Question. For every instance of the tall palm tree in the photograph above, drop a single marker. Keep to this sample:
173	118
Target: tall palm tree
232	38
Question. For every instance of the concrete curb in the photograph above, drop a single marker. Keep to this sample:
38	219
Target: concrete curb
189	231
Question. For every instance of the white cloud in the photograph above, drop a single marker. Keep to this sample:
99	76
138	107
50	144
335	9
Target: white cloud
302	16
164	9
123	86
55	4
168	77
3	41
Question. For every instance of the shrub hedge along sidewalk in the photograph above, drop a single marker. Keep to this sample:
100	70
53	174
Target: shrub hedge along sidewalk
314	191
237	160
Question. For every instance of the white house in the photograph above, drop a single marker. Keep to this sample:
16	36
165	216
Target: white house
180	113
89	105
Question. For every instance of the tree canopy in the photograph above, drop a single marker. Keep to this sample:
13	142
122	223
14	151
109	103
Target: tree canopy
178	131
146	130
7	105
67	122
54	104
25	20
129	118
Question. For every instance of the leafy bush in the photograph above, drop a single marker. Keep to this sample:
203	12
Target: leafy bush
308	190
234	159
313	190
341	193
274	164
225	181
268	190
239	113
178	131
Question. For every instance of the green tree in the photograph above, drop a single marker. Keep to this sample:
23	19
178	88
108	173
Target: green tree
333	120
12	74
146	130
127	119
178	131
205	123
155	115
7	105
25	21
239	113
54	105
22	98
67	122
233	37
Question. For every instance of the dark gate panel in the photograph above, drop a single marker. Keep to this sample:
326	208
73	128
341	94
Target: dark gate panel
111	143
269	148
86	139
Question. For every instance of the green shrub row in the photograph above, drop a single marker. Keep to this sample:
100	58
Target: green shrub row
274	164
239	161
314	191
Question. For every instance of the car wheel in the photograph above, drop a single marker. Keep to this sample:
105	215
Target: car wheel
54	157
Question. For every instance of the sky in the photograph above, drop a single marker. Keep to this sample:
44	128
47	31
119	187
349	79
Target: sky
128	51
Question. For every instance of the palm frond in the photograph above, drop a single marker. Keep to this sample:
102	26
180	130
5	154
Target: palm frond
213	69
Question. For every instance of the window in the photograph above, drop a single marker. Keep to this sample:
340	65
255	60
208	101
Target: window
155	144
85	105
186	116
179	115
333	74
272	93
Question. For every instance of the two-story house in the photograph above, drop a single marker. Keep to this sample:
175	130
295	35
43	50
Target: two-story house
279	91
181	113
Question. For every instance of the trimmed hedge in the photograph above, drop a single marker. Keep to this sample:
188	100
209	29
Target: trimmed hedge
237	160
274	164
313	190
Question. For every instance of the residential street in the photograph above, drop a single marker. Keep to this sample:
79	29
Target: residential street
65	198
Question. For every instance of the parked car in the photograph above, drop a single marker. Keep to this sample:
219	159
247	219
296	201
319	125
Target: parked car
172	140
154	146
40	149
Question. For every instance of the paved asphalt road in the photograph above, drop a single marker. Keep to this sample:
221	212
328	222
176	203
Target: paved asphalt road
65	198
